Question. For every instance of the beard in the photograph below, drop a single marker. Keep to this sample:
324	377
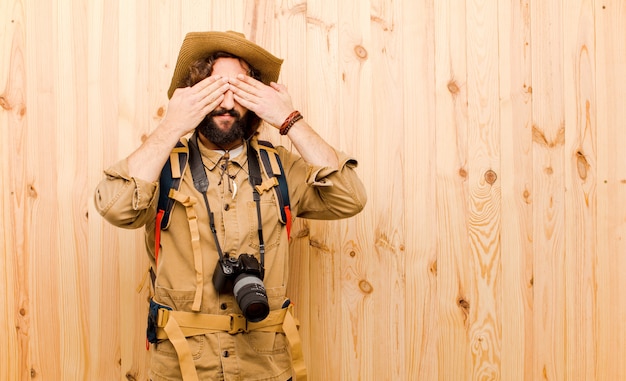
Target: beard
210	130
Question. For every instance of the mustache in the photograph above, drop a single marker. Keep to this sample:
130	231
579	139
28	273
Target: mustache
222	111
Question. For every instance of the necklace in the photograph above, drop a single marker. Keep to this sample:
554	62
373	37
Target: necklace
224	167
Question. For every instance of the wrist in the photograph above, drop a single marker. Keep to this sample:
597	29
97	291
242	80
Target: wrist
289	122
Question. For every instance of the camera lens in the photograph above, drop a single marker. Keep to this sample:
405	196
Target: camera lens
251	297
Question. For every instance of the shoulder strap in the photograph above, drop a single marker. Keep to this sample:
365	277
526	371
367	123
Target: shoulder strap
171	175
274	169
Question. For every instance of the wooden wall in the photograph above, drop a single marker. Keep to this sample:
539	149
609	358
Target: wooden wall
491	140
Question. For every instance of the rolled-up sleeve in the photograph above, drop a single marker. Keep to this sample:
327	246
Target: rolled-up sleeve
330	193
125	201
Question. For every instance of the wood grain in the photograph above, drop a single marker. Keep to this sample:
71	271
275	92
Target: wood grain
611	188
454	268
483	165
419	227
548	195
580	180
516	189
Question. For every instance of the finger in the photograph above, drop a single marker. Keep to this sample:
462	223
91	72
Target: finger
278	87
209	85
208	81
247	83
245	102
212	94
213	104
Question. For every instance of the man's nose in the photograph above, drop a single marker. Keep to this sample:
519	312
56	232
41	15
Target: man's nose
228	102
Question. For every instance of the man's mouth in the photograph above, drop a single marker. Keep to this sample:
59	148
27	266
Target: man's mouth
222	112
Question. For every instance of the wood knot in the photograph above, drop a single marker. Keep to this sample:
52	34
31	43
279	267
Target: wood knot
464	304
433	267
304	232
490	177
160	112
529	89
463	173
453	87
366	287
582	165
360	52
4	103
526	196
32	192
319	245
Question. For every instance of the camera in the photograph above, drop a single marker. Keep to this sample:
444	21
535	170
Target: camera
243	277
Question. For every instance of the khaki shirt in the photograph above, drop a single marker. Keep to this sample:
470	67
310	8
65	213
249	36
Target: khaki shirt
315	192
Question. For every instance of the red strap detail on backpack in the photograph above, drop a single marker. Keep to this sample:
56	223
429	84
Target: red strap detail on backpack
157	236
288	222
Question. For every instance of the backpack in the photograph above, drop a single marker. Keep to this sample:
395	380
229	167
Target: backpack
174	169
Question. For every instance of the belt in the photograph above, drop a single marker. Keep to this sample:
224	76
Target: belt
177	325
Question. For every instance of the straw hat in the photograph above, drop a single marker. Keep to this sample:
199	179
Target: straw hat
199	45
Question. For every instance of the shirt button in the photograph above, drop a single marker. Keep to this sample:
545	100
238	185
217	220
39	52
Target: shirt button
223	306
225	354
226	207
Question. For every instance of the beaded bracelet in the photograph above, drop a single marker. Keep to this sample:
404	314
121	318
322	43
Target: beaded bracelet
289	122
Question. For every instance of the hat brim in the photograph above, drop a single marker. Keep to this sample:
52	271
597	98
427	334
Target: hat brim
198	45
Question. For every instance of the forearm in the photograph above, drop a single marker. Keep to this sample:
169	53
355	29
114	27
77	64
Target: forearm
313	149
147	161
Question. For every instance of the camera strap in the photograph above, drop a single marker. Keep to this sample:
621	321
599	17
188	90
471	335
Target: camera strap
254	176
201	183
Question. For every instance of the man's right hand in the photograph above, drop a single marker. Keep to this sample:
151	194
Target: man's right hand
189	105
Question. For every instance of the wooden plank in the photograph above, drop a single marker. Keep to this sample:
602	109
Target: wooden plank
386	296
15	314
136	22
610	37
68	203
454	283
516	189
40	155
580	179
483	163
416	24
355	105
548	196
103	265
311	72
195	16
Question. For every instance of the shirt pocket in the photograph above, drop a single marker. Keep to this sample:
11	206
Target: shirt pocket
197	345
266	343
272	227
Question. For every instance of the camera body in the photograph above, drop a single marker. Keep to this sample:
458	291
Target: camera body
243	276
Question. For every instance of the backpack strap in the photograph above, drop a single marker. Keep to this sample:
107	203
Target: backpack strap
274	170
171	175
170	178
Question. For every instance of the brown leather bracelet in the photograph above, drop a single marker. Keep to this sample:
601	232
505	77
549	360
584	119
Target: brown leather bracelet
289	122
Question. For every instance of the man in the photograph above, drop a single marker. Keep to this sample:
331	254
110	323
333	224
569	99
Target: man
223	86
